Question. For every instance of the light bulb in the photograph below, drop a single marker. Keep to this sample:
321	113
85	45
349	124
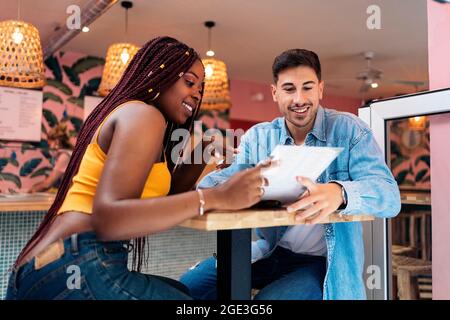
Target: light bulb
124	56
17	36
85	29
210	53
374	85
209	71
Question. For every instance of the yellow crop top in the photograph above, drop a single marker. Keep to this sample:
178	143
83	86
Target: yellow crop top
80	196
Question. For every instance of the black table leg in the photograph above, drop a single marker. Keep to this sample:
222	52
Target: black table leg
234	264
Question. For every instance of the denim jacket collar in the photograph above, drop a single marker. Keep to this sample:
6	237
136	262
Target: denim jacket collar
318	131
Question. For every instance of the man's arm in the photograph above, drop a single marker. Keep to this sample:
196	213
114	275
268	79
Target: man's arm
372	188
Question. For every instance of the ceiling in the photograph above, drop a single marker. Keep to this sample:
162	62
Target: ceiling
249	34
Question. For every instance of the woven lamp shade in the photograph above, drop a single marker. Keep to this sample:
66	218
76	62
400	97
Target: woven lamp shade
21	60
115	66
216	95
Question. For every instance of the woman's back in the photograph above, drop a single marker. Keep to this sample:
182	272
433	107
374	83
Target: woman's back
80	196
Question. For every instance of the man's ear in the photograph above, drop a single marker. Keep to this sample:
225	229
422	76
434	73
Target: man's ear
274	92
321	86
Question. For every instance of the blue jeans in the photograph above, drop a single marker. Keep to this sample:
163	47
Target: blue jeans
284	275
88	270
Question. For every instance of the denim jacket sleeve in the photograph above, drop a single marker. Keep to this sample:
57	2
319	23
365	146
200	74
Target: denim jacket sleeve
372	188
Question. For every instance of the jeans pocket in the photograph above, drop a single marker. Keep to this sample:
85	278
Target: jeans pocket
76	290
54	278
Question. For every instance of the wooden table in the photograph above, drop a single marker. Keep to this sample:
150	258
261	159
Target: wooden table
234	243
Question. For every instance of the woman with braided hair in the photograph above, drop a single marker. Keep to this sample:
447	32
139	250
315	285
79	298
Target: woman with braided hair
115	189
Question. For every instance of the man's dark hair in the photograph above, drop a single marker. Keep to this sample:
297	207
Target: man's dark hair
294	58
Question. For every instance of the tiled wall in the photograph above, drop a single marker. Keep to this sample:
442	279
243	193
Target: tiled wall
171	252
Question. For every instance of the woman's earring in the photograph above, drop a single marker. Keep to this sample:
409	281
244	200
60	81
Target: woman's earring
154	98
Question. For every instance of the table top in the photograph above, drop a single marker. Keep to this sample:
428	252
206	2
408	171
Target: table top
258	218
215	220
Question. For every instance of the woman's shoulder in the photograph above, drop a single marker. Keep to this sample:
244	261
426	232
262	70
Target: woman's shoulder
137	110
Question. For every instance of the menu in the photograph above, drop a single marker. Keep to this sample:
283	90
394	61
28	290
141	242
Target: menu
20	114
293	161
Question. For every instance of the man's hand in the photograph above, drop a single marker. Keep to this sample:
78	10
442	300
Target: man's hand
319	200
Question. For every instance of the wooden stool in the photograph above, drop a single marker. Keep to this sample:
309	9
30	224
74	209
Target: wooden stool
402	250
407	270
413	230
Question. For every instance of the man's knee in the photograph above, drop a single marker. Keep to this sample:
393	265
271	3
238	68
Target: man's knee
301	285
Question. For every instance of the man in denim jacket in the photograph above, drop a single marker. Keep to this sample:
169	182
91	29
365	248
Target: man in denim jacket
312	261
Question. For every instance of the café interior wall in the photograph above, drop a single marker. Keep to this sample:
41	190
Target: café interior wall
410	153
252	103
70	76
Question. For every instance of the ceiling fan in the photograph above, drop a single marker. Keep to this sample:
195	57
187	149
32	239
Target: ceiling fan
372	77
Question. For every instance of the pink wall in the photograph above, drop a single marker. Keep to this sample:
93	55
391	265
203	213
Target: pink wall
63	92
245	107
439	76
440	190
341	103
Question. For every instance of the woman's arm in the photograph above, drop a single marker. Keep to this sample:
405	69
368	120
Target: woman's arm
136	144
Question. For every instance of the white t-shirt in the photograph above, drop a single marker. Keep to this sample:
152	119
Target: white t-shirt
305	239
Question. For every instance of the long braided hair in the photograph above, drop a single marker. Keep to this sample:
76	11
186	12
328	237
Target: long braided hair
154	69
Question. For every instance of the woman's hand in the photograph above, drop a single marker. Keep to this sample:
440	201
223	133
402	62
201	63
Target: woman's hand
244	189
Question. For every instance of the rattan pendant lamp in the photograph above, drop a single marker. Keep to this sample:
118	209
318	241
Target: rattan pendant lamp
118	57
216	94
21	60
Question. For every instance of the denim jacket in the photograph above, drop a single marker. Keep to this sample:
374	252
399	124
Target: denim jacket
360	169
